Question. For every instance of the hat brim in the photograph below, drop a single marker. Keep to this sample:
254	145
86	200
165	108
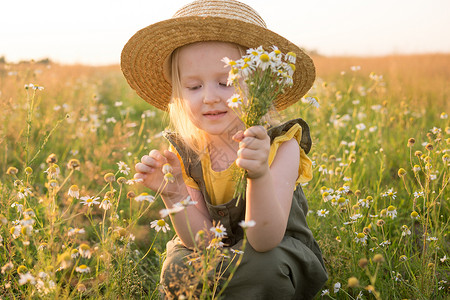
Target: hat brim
143	56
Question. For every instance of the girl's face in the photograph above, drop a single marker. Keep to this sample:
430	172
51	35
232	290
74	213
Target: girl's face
203	79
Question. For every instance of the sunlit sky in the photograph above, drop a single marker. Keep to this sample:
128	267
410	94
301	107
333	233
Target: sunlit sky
94	31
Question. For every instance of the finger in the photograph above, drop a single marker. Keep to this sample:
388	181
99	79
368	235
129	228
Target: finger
150	161
256	131
238	136
250	154
143	168
249	142
140	176
171	157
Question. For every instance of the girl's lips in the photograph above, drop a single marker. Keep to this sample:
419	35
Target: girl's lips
214	115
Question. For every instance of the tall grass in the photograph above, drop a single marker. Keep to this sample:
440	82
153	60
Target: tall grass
378	200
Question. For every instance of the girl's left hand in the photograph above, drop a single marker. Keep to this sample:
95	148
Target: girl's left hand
253	153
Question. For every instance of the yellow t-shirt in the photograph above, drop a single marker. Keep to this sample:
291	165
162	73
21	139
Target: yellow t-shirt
220	185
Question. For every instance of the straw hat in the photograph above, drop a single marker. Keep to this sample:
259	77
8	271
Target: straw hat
145	57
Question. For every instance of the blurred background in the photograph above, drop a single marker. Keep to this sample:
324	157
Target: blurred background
94	32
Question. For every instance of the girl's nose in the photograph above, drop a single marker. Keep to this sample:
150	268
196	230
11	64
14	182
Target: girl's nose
211	94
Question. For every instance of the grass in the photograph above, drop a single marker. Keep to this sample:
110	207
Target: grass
369	179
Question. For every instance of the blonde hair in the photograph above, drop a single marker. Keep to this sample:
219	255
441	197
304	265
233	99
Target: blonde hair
179	119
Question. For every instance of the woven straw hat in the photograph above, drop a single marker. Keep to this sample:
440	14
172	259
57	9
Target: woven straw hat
145	56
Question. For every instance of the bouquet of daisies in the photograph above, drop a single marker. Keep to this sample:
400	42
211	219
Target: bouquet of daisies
258	78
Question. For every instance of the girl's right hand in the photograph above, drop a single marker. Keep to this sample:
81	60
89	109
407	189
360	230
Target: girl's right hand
150	171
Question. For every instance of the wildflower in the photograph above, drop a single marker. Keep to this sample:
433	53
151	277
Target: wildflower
73	164
326	196
53	184
360	126
443	116
15	231
313	101
405	230
390	193
12	171
27	278
26	229
342	201
74	231
378	258
23	192
239	252
414	215
7	267
323	169
83	269
169	178
363	262
291	57
215	243
402	258
160	225
89	201
325	292
355	68
105	204
247	224
234	101
65	260
356	217
167	168
385	243
391	212
401	172
53	171
85	250
144	197
170	211
352	282
416	168
361	238
337	287
74	253
397	276
123	168
219	231
109	177
74	191
132	181
429	147
81	287
432	239
186	202
322	212
443	259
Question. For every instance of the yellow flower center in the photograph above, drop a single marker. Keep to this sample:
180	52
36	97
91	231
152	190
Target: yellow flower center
360	235
161	223
264	57
391	208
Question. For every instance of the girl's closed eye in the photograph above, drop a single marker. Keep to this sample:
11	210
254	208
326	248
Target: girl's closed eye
194	87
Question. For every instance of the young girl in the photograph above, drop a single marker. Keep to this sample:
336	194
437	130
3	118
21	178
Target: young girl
176	65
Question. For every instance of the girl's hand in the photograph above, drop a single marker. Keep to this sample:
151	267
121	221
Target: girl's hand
150	171
253	153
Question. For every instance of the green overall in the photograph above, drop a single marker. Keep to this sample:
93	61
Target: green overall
292	270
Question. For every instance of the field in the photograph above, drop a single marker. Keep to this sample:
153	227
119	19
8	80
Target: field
74	224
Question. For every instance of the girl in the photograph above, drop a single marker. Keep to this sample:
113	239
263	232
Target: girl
176	65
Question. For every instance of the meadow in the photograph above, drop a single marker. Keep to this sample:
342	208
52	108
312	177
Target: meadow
75	225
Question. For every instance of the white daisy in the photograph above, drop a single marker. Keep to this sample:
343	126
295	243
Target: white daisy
89	201
160	225
219	231
83	269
